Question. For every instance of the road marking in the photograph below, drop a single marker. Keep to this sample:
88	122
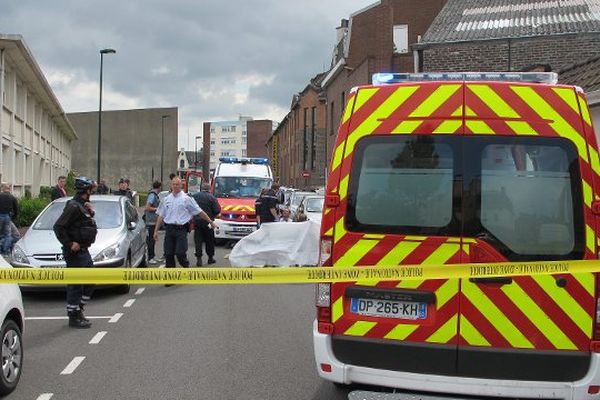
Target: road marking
129	302
60	318
98	337
115	318
45	396
140	291
69	369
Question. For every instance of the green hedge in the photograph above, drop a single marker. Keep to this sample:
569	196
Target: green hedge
29	209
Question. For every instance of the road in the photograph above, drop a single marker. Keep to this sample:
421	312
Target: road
180	342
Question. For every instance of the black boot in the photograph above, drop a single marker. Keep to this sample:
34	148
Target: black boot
76	320
199	262
211	260
81	309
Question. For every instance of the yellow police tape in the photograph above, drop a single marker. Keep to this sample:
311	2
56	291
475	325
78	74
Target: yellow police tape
278	275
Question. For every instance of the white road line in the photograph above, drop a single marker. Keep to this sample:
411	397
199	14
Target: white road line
129	302
140	291
59	318
69	369
45	396
115	318
98	337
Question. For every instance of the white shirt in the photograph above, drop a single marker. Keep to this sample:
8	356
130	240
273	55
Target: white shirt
178	209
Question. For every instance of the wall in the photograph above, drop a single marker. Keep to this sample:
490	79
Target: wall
258	132
131	145
559	51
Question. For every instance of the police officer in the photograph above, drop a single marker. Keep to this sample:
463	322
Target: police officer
76	230
177	210
266	207
203	233
124	189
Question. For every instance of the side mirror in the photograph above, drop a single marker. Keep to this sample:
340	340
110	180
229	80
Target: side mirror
132	225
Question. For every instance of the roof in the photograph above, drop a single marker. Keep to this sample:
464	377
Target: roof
585	74
468	20
28	70
94	197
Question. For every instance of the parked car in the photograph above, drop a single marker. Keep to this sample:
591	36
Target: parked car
121	240
11	329
295	200
312	206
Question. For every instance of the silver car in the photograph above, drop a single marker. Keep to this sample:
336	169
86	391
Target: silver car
121	239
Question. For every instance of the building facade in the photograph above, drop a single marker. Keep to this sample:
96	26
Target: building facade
188	161
135	144
259	132
227	139
298	145
510	35
377	38
36	135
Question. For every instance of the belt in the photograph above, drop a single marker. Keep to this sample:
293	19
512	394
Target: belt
175	226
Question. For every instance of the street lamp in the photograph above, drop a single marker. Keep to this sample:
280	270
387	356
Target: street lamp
196	152
162	146
102	53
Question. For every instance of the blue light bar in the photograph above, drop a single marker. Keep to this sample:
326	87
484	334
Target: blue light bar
550	78
244	160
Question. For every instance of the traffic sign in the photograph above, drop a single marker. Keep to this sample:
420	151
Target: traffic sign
305	174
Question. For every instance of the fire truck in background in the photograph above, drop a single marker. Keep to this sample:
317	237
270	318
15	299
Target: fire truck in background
192	182
236	184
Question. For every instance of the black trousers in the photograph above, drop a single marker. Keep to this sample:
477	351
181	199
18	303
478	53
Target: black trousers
78	294
176	244
203	234
150	241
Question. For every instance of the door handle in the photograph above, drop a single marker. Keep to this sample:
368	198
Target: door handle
501	280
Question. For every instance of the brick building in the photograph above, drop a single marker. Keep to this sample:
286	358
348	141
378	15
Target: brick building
510	35
259	131
377	38
299	142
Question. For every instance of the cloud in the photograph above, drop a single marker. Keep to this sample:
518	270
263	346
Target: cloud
211	59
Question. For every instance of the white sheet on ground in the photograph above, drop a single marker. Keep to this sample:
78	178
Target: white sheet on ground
280	244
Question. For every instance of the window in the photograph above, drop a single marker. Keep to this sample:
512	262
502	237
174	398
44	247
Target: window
528	201
305	139
212	153
212	142
331	119
401	39
212	130
181	164
402	185
313	128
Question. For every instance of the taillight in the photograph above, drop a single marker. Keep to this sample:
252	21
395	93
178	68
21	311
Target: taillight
595	345
323	303
325	251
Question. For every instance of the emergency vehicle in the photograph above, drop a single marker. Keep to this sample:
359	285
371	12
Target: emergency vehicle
463	168
192	182
236	184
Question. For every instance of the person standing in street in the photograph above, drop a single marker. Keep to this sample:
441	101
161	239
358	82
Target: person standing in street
123	189
266	207
177	210
59	190
152	204
9	209
76	230
102	188
203	232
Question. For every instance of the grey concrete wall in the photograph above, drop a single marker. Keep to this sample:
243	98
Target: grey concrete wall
131	145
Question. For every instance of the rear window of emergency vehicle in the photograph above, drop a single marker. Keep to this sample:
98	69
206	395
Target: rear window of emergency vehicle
522	195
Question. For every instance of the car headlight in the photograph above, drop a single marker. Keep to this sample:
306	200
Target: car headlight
108	253
18	255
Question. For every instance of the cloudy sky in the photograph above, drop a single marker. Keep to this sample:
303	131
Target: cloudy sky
214	60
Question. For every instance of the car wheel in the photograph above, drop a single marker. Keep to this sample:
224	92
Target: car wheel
11	356
124	289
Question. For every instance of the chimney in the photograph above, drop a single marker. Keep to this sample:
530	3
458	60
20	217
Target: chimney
341	30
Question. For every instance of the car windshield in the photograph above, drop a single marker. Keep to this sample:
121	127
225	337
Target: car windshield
108	215
314	205
231	186
298	197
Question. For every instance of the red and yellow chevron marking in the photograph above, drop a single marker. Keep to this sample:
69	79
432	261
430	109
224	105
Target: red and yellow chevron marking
533	312
442	322
238	208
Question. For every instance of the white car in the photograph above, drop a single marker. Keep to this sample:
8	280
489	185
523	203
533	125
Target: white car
11	318
312	206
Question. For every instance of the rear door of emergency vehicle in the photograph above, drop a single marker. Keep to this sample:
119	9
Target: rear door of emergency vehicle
446	172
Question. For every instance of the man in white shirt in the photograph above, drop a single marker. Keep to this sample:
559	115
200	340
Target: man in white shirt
177	210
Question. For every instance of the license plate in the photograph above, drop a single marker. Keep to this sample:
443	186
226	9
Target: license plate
243	229
389	309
